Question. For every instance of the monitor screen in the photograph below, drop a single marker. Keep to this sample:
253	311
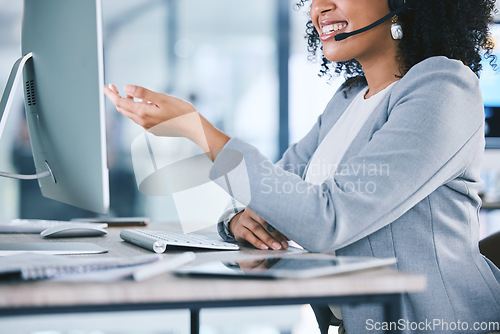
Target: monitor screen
490	88
63	86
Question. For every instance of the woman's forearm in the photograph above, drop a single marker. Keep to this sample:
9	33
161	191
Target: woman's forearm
214	140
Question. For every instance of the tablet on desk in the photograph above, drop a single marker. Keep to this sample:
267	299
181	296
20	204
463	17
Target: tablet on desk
287	266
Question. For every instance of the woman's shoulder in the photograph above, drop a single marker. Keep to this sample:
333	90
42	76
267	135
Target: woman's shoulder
443	87
440	68
440	78
440	61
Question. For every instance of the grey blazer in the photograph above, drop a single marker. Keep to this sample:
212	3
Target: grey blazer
407	188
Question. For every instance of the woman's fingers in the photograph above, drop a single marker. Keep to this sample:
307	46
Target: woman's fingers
150	108
283	240
127	103
242	231
272	241
244	227
142	93
117	100
139	112
112	93
115	90
249	236
274	233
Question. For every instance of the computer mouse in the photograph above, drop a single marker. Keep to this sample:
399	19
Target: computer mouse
73	231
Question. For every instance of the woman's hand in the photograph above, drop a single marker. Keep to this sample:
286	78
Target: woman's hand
249	226
153	109
165	115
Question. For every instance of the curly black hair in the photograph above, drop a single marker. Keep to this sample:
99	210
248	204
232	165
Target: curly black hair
457	29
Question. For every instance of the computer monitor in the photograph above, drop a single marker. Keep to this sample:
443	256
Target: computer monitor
62	77
490	88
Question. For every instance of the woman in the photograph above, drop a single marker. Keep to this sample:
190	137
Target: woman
390	169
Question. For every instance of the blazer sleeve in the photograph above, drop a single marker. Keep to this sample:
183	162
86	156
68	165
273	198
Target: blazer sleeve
429	136
294	160
297	156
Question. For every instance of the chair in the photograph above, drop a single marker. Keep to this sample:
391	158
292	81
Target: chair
324	317
490	248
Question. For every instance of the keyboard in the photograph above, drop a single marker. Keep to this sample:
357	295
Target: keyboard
158	241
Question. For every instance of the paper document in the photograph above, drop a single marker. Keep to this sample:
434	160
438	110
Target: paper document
89	269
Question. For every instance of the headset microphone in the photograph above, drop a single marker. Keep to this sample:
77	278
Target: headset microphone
396	6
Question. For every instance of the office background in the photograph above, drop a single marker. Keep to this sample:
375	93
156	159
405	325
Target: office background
243	64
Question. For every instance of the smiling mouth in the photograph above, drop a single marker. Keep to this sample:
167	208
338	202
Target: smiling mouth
331	29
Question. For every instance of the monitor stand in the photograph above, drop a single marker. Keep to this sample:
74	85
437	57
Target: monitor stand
5	107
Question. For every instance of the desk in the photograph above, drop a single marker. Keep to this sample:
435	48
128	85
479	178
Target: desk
383	285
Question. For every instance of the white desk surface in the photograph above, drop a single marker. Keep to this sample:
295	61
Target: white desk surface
169	288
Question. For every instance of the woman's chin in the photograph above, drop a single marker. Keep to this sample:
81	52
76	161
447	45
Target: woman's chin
336	55
336	58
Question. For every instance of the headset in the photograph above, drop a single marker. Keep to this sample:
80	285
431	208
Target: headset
396	7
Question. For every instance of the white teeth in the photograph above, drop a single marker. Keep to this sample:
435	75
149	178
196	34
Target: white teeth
333	27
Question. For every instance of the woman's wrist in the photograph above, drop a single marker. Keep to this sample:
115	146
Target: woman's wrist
233	221
213	140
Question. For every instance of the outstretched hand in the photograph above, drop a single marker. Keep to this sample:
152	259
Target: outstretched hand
166	115
151	109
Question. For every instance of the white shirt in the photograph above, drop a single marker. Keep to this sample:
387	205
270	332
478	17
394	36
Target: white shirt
331	150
